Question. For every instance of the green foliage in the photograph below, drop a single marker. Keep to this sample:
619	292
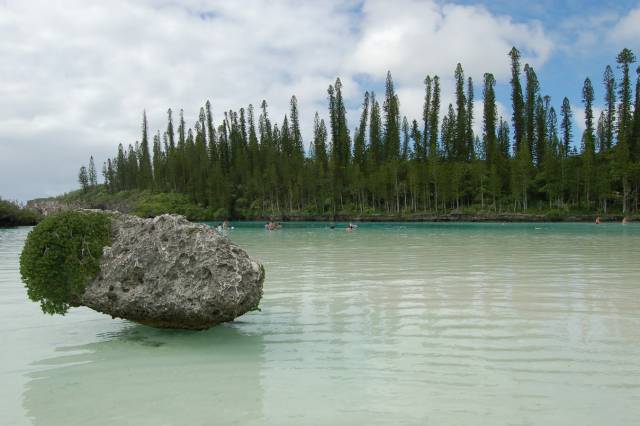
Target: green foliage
83	178
12	214
61	255
144	203
250	166
152	205
517	99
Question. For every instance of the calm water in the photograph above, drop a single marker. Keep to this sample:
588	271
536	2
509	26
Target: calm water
437	324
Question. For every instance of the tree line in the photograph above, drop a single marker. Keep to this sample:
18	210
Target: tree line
14	214
248	165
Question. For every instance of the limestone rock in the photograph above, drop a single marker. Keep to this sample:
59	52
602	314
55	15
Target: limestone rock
169	272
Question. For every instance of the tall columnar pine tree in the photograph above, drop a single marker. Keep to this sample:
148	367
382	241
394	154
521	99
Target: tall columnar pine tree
567	135
159	168
391	122
391	142
601	132
517	100
433	118
625	59
610	108
490	141
634	142
541	114
504	145
433	153
404	151
359	142
296	156
623	167
460	146
92	175
340	143
418	142
470	137
426	117
358	170
551	174
320	163
146	174
375	133
83	179
449	133
522	176
566	127
532	94
634	145
418	171
588	141
110	177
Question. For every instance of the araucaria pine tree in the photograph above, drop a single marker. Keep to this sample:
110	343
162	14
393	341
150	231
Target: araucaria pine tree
92	175
83	178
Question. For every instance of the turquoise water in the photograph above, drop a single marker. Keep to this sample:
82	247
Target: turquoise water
443	324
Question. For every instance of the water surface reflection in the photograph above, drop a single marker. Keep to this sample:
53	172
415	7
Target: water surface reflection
143	376
477	324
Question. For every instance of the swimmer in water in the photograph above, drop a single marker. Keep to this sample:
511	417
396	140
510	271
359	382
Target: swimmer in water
272	226
597	220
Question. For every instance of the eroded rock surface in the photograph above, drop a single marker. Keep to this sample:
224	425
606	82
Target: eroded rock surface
169	272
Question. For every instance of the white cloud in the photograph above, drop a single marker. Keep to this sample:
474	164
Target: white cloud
601	32
627	29
419	37
75	77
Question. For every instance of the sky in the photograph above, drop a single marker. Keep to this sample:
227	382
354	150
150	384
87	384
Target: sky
76	76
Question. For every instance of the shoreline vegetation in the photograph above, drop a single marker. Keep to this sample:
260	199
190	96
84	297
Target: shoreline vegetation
13	214
244	165
150	204
533	167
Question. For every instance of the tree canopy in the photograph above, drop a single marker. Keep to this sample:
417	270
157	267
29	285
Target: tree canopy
250	165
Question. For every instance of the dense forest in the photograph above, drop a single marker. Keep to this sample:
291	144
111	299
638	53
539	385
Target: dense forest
251	166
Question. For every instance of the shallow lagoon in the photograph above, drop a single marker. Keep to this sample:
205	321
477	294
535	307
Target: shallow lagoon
444	324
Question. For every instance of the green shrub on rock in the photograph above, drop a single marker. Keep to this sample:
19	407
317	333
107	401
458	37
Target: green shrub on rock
61	255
